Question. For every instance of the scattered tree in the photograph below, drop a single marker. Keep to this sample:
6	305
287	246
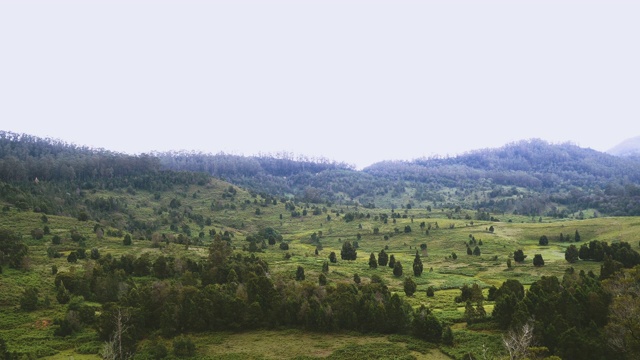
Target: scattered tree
409	286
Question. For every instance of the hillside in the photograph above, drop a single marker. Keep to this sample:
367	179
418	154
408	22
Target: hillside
532	178
627	148
193	266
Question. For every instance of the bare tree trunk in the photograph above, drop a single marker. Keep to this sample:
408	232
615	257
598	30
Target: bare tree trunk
517	342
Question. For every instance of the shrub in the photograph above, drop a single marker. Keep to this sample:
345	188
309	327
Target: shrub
183	347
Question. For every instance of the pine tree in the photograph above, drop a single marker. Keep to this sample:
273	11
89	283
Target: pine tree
348	251
430	291
392	261
325	267
571	254
447	336
373	263
538	260
417	265
397	269
409	286
300	273
383	258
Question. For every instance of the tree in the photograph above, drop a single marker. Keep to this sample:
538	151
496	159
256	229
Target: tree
447	336
356	278
383	258
409	286
126	240
95	254
29	299
571	254
426	326
430	291
519	256
538	260
544	241
397	269
454	256
12	249
333	258
72	257
392	261
469	251
577	236
325	267
373	263
348	251
584	252
322	279
491	229
517	341
476	251
417	265
300	273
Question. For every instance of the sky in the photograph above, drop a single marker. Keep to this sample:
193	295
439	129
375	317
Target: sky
351	81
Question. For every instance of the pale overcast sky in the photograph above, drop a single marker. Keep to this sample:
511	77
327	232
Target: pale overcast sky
353	81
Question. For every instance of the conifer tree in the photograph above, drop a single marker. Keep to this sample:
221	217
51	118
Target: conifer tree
373	263
417	265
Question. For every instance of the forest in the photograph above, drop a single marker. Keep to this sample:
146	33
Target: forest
527	251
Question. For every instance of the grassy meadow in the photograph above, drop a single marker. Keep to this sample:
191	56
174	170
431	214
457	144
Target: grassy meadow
243	214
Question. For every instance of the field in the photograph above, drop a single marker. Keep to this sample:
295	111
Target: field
445	231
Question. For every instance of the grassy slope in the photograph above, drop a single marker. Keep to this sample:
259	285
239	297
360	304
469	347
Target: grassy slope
32	332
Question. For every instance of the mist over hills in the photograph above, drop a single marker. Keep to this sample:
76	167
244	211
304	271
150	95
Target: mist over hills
529	177
627	148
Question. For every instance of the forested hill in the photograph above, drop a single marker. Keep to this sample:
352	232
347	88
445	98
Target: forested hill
532	164
529	177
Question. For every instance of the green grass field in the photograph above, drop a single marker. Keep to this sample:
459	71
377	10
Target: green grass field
31	333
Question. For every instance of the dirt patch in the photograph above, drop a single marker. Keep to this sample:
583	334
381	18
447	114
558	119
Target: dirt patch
42	324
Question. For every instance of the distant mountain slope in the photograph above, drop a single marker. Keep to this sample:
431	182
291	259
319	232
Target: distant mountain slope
530	163
529	177
627	148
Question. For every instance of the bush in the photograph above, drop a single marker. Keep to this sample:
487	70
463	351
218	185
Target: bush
430	291
183	347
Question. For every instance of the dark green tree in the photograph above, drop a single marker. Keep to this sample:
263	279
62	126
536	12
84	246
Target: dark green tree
300	273
544	240
29	299
383	258
584	253
12	249
417	265
333	258
476	251
397	269
430	291
538	260
373	263
519	256
356	278
126	240
348	251
322	279
447	336
571	254
426	326
392	261
577	236
410	286
325	267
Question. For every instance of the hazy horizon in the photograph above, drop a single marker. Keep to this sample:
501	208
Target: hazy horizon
351	81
